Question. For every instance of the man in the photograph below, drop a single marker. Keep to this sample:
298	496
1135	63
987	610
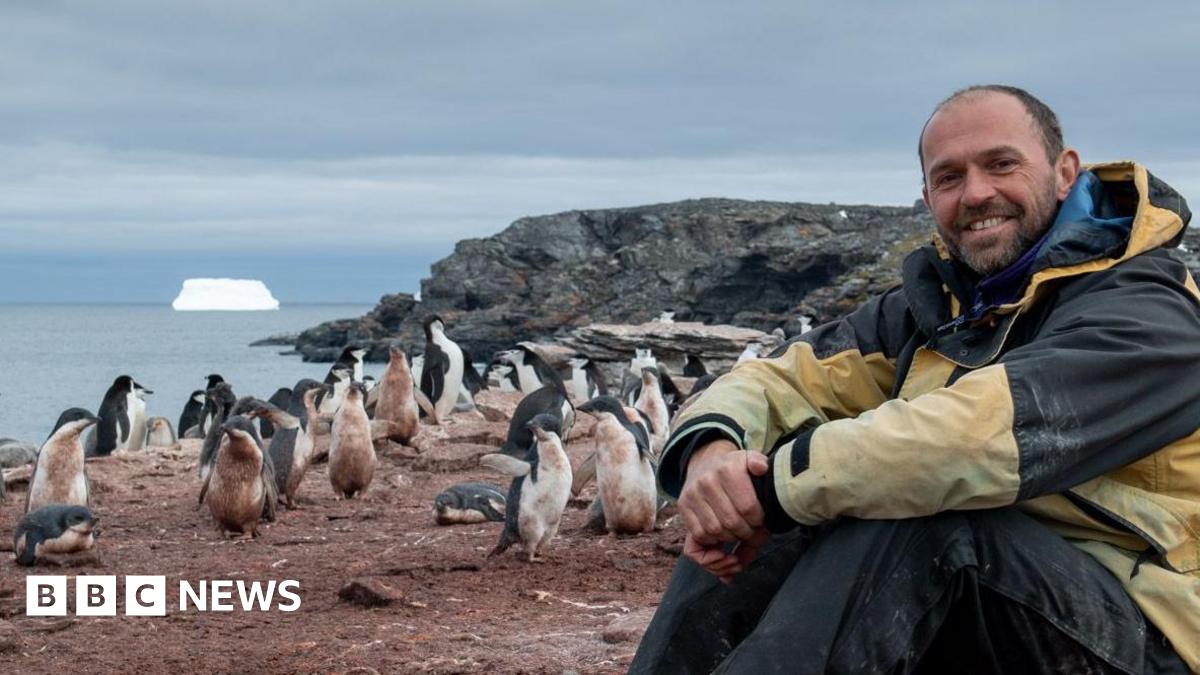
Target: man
991	468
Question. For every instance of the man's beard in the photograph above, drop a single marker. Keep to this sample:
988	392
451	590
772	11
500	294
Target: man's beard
1030	228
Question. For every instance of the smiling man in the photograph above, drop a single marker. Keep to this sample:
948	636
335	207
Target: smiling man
994	467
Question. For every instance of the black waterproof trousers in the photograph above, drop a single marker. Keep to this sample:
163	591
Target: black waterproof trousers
958	592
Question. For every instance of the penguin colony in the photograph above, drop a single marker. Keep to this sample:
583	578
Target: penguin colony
256	453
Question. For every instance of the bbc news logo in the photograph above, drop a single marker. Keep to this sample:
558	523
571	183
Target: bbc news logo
147	596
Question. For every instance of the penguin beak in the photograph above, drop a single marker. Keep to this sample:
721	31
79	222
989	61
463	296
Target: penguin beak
91	419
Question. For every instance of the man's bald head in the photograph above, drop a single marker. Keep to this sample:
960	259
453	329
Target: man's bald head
1042	116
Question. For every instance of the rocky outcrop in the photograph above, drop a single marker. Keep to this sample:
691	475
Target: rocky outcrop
717	261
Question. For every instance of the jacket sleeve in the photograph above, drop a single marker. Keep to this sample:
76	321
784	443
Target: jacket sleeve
1110	376
835	371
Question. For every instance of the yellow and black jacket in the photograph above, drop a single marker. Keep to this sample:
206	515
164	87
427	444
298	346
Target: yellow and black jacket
1079	402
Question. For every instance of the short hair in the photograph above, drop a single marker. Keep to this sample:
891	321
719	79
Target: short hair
1043	117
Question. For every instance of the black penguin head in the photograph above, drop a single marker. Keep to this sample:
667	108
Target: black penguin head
198	396
213	380
77	518
222	395
515	357
543	425
650	376
240	429
140	391
340	374
303	386
601	405
432	323
122	383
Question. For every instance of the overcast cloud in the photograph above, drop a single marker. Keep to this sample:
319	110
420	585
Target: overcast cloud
336	150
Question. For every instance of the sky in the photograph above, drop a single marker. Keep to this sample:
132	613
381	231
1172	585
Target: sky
336	150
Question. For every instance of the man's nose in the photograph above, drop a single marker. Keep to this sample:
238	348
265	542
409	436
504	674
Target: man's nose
977	188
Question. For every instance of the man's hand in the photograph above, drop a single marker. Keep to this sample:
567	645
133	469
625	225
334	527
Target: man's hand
718	505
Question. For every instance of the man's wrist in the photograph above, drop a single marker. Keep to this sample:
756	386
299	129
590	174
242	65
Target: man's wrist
709	453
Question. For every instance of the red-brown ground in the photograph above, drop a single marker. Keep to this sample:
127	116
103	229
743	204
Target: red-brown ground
453	610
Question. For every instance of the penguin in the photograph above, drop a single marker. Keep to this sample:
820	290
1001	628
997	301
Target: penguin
291	447
338	379
54	529
464	503
192	415
396	403
473	382
350	359
545	401
59	476
418	367
70	415
586	380
503	376
207	414
159	433
701	384
240	489
631	379
693	366
115	425
539	491
651	402
624	468
666	317
532	370
750	353
220	400
442	375
137	428
280	399
351	454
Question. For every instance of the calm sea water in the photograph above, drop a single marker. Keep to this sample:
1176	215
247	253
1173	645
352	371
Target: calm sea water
58	356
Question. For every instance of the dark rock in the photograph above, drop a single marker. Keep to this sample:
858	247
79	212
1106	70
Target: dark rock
369	592
282	339
629	627
716	261
14	453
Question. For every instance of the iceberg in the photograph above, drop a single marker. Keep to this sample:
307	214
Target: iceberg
198	295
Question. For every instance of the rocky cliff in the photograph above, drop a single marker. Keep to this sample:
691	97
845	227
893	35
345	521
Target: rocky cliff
754	264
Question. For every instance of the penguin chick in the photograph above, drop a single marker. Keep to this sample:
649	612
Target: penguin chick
351	453
159	433
539	491
468	503
240	489
396	403
624	468
59	476
54	529
651	401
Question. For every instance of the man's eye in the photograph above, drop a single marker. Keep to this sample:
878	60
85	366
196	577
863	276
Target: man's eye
1004	164
945	179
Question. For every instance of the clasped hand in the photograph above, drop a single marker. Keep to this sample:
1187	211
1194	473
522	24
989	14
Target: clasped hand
718	506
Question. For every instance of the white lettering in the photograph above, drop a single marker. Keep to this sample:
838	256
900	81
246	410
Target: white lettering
285	592
222	590
186	591
256	594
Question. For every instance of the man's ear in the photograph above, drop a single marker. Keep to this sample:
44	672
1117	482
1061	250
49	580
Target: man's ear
1066	170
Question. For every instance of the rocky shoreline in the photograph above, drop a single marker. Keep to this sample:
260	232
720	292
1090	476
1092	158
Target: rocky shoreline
752	264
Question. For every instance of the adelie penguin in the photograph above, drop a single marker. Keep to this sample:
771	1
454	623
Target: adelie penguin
240	489
549	400
442	373
207	414
624	467
291	447
59	474
280	399
159	433
137	406
396	404
222	401
116	418
464	503
652	402
351	452
532	370
586	381
51	531
192	416
347	369
539	491
693	366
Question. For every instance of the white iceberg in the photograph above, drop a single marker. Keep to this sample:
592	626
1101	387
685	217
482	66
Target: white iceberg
198	295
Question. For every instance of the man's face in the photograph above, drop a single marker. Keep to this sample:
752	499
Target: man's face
988	182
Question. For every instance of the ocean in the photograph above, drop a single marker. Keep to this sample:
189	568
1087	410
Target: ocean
58	356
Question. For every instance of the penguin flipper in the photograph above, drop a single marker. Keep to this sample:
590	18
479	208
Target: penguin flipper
583	474
123	425
32	482
25	544
505	464
267	475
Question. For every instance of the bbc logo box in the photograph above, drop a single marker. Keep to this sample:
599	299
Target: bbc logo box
95	595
